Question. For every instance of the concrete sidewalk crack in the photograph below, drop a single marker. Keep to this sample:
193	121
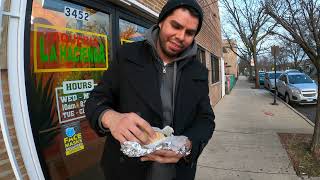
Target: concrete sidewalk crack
237	170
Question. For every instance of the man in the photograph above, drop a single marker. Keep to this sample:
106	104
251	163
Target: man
156	82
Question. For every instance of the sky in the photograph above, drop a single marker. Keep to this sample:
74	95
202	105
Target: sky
225	26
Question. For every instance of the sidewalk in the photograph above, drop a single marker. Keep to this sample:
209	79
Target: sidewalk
245	144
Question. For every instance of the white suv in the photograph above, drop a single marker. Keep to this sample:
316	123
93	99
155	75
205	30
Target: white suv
297	87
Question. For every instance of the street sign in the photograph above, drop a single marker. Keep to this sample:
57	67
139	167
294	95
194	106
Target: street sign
252	62
275	50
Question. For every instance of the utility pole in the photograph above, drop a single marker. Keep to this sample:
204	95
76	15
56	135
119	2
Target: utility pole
275	51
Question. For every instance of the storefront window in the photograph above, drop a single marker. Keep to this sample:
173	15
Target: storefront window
130	32
70	47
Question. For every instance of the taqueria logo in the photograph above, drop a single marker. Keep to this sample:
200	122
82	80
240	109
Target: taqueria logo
58	49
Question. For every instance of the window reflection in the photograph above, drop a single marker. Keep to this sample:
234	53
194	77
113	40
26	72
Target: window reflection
70	46
130	32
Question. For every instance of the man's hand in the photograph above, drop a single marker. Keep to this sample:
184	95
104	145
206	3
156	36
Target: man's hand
165	156
128	127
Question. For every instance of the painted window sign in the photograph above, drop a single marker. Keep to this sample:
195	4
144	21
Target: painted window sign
76	14
60	49
71	98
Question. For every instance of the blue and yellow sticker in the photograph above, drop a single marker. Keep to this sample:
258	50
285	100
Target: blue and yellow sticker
72	138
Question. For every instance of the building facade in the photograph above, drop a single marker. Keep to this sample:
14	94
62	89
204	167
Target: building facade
53	52
230	57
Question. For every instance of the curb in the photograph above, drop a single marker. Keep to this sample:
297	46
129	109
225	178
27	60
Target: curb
294	110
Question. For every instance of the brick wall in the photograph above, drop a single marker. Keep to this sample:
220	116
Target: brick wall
155	5
6	171
230	58
5	166
210	34
215	93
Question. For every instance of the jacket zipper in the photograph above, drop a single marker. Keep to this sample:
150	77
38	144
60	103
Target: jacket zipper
164	69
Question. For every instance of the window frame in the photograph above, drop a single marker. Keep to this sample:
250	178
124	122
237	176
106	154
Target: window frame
215	69
130	17
201	53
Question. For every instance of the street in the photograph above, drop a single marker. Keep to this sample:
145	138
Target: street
308	110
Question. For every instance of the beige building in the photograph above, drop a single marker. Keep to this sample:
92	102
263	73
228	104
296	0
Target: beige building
52	54
230	57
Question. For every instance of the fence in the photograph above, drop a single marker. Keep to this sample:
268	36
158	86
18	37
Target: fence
230	83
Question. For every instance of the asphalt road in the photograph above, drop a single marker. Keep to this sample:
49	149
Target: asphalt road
307	110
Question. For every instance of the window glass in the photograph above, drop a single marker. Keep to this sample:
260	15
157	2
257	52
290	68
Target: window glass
281	78
261	74
202	56
215	69
272	75
130	32
285	79
299	79
70	48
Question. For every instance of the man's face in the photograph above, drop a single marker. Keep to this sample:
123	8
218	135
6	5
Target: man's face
177	32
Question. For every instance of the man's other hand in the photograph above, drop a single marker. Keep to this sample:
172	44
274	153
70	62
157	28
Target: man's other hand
163	156
128	127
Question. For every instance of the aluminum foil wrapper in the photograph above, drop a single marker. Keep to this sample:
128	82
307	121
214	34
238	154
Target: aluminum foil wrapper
173	143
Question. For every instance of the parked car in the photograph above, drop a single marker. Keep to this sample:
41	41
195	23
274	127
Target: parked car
261	77
269	79
292	70
297	88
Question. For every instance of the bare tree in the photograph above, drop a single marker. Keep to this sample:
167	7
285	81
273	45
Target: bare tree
301	19
252	25
294	53
244	67
283	59
265	62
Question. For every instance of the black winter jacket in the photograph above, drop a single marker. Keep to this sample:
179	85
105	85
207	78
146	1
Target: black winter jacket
131	85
